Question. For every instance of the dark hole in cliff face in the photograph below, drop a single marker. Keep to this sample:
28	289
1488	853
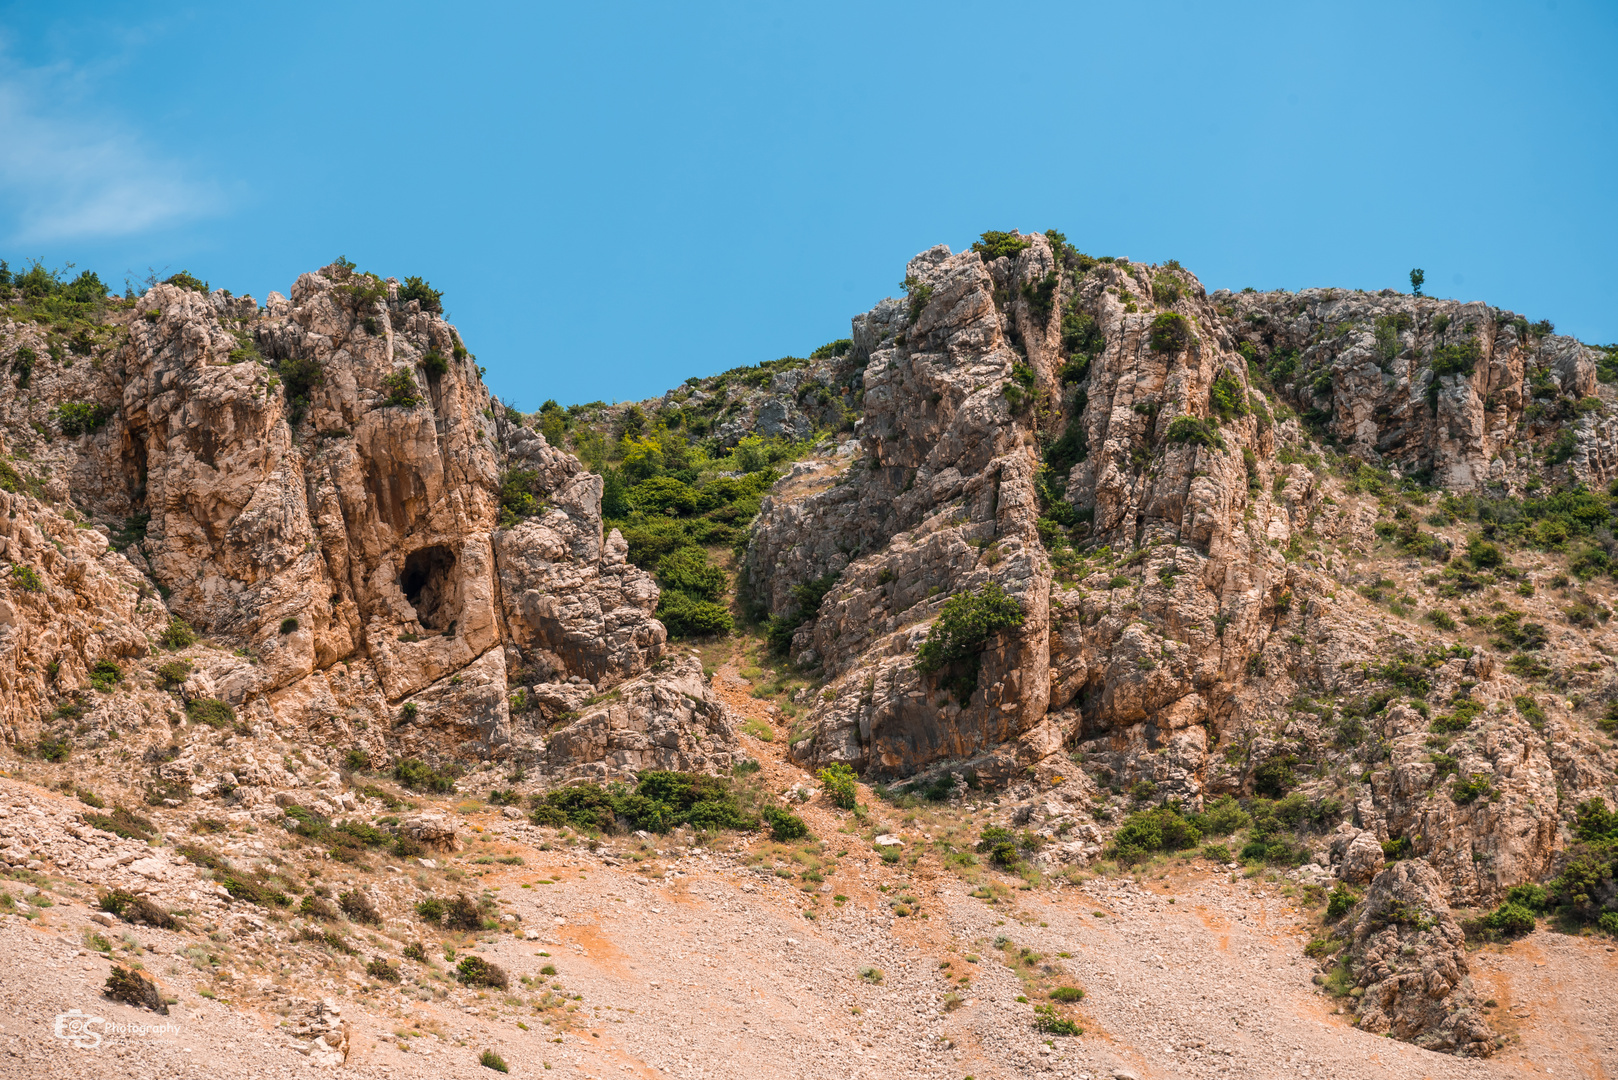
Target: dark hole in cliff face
427	585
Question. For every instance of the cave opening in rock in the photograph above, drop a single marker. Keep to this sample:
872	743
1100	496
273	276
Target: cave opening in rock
427	586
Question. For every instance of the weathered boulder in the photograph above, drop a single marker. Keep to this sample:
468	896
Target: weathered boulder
1359	858
667	718
573	602
434	830
1408	955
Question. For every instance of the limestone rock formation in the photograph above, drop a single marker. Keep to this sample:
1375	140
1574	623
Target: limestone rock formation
315	482
66	604
1408	956
1437	388
667	718
942	502
573	603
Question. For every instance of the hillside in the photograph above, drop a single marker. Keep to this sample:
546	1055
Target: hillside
1057	579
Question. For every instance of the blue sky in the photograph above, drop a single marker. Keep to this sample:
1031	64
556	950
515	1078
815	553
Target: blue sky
614	197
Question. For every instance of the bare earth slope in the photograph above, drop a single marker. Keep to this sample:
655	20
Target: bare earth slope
711	970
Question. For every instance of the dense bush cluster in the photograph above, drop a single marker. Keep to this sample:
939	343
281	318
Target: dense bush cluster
660	801
956	641
994	245
77	418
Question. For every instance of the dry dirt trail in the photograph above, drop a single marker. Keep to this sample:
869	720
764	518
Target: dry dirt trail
713	971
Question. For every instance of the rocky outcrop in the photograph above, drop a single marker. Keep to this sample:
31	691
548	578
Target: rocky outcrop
1434	388
667	718
66	603
1409	960
942	502
573	603
316	483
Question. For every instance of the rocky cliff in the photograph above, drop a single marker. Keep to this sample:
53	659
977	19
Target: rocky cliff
1065	525
1204	570
316	483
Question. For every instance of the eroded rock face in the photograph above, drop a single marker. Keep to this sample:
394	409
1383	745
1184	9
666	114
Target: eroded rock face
1226	633
1408	956
573	602
667	718
66	603
942	502
317	481
1367	361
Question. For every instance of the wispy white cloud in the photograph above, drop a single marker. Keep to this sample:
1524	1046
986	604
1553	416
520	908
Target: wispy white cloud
68	174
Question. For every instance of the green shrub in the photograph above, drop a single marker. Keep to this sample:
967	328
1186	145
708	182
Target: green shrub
173	672
1067	994
461	912
431	910
1471	789
1047	1020
177	634
210	711
26	578
124	823
994	245
420	776
1275	777
22	362
920	294
77	418
685	616
784	825
476	971
382	971
1170	332
687	570
401	390
1197	432
661	801
1530	896
1222	817
1019	390
839	781
416	288
1227	397
1510	919
289	626
1147	831
840	347
1457	359
189	281
1041	297
357	906
1341	902
1001	845
1166	288
106	674
435	364
491	1060
1441	619
299	377
962	632
133	988
53	748
315	907
136	909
